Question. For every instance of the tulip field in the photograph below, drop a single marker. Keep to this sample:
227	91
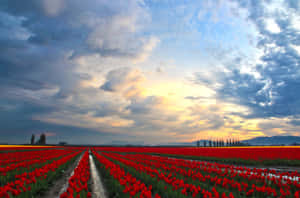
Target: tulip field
149	172
28	173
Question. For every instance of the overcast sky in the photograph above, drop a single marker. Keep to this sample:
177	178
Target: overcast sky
148	71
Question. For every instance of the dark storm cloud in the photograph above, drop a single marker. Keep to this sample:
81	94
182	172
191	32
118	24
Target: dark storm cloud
39	43
17	126
273	91
39	39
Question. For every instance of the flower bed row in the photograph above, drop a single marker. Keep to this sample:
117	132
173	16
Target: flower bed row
28	163
16	157
256	176
78	182
193	183
34	182
120	183
240	155
251	181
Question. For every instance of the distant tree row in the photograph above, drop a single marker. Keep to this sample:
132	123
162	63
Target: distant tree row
219	143
41	141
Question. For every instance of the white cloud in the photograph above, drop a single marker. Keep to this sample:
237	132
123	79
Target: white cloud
123	78
272	26
297	48
148	46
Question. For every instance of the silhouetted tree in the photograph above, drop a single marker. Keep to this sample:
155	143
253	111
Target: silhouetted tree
204	143
234	142
32	139
42	139
198	143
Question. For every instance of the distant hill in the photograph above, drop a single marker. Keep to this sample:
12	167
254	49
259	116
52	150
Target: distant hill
273	140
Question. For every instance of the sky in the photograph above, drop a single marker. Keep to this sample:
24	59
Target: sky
148	71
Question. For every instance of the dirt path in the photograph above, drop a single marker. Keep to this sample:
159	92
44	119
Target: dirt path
61	185
98	190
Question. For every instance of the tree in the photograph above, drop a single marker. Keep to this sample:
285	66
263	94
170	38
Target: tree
32	139
42	139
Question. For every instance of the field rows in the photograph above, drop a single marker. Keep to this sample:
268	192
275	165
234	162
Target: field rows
146	172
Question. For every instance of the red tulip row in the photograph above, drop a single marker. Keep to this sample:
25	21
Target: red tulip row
168	172
78	183
133	187
12	148
263	176
232	168
25	160
178	184
28	181
247	153
15	157
286	186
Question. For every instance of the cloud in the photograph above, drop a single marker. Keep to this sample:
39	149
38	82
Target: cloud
41	41
121	79
267	87
295	122
207	118
293	4
49	35
88	120
146	105
196	98
53	7
81	70
47	134
45	67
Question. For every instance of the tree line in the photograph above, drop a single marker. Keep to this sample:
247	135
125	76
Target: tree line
219	143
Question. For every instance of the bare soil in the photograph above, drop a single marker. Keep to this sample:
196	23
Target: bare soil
98	190
55	190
